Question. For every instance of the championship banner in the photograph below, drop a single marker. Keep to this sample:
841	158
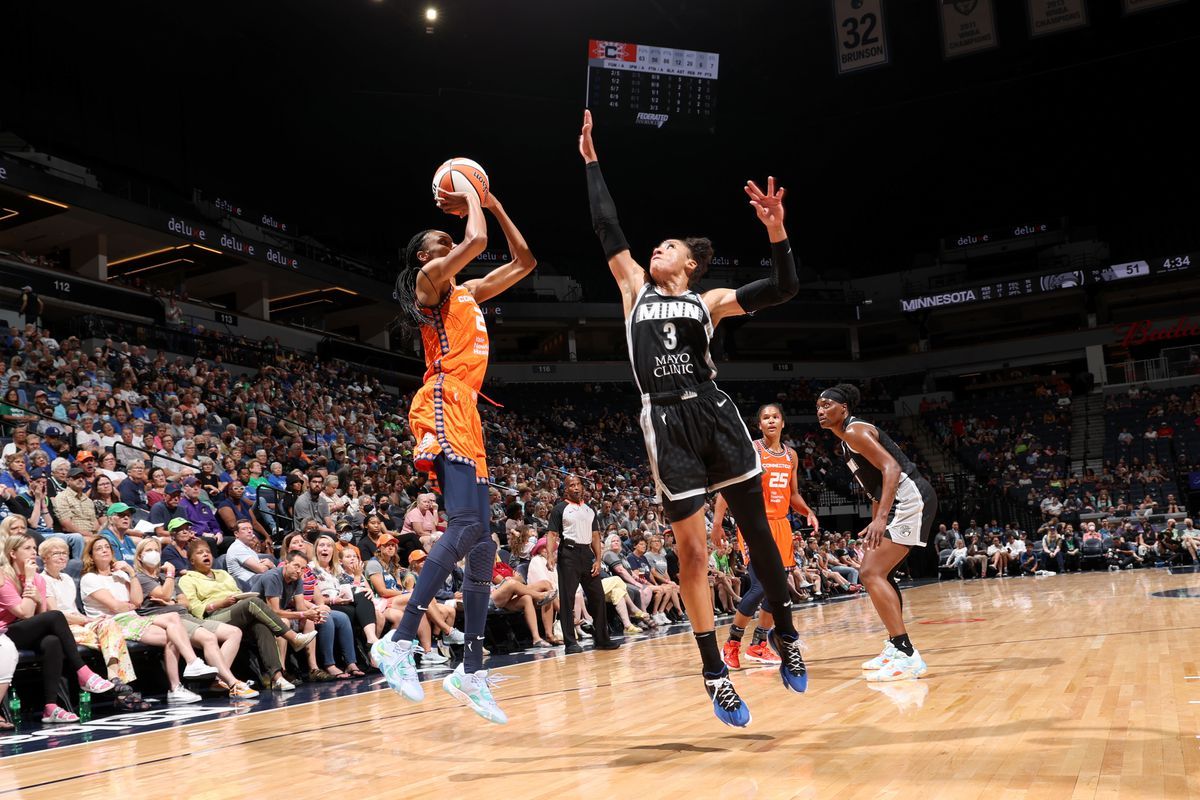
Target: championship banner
968	26
858	33
1134	6
1056	16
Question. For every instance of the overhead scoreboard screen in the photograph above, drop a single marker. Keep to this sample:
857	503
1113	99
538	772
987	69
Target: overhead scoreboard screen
652	87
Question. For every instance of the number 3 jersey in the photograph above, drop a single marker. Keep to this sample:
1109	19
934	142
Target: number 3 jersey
668	341
456	340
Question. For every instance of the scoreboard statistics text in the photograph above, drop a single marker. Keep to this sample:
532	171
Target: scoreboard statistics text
652	87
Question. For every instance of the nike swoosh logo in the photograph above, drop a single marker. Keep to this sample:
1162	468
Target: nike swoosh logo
664	419
720	404
422	608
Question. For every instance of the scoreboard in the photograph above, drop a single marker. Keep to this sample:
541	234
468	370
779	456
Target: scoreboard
652	87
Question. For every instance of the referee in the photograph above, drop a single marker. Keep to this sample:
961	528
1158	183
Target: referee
573	539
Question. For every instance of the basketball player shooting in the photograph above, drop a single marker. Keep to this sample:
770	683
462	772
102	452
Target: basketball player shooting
695	438
445	421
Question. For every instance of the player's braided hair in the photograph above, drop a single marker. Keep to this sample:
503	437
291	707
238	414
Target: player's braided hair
406	284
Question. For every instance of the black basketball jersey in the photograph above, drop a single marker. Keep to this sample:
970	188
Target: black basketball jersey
869	476
668	341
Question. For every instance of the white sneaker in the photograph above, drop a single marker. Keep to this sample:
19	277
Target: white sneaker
198	669
181	695
662	619
395	661
282	684
432	658
455	636
580	634
475	690
900	668
880	661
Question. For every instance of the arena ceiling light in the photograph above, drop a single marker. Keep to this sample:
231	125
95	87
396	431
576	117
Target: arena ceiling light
431	14
9	214
47	200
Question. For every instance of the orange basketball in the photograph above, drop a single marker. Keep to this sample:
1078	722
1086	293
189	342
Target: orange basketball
461	175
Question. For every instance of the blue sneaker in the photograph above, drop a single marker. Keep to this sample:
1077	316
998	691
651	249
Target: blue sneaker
727	705
476	691
791	667
395	661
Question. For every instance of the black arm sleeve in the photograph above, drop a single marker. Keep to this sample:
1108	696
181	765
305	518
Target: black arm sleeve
604	213
779	287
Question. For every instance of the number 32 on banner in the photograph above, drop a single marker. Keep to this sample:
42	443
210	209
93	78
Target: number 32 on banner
858	31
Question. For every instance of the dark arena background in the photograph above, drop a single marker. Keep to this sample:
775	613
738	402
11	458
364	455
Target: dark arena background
994	212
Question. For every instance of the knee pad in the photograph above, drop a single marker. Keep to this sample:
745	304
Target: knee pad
479	564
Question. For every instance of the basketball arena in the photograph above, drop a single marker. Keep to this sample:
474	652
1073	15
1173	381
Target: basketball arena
666	398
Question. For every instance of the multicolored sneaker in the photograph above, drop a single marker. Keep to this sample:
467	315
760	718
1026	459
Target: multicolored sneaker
727	705
791	661
731	654
883	659
395	661
900	668
762	654
476	691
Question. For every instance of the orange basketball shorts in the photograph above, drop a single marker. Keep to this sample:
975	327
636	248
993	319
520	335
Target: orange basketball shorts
445	422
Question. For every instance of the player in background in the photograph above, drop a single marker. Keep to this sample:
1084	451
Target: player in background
903	505
695	438
780	482
444	419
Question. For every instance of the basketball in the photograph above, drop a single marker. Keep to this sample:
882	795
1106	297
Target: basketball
461	175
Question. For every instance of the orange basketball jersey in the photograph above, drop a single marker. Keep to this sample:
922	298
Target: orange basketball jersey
456	344
778	469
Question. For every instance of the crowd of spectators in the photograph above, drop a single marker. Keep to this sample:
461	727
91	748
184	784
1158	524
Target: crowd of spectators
178	503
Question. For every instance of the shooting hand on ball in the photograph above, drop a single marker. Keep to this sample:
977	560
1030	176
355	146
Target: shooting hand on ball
454	203
586	148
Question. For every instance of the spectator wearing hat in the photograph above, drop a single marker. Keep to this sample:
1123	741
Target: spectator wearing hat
86	460
204	521
41	520
167	509
53	443
180	532
243	559
124	545
74	509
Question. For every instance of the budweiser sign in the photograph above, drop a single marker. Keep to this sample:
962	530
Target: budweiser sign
1143	331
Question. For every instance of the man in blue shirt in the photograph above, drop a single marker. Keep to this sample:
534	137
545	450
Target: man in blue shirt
204	522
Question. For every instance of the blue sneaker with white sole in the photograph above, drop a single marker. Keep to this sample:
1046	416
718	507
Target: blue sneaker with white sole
727	704
791	667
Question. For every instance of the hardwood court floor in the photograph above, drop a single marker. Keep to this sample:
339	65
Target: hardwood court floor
1062	687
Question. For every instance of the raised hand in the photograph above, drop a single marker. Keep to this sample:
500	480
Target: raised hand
769	204
453	203
587	148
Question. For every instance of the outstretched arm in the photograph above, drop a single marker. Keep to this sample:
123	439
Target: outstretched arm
628	273
510	274
437	273
778	287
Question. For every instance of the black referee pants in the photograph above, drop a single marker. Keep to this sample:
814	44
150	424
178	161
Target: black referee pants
575	570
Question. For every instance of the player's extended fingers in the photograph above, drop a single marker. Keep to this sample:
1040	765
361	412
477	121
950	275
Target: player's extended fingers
771	185
753	190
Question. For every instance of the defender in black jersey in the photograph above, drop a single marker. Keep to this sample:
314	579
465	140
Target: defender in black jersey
695	438
903	506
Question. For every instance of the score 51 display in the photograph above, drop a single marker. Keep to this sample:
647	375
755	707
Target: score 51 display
652	87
